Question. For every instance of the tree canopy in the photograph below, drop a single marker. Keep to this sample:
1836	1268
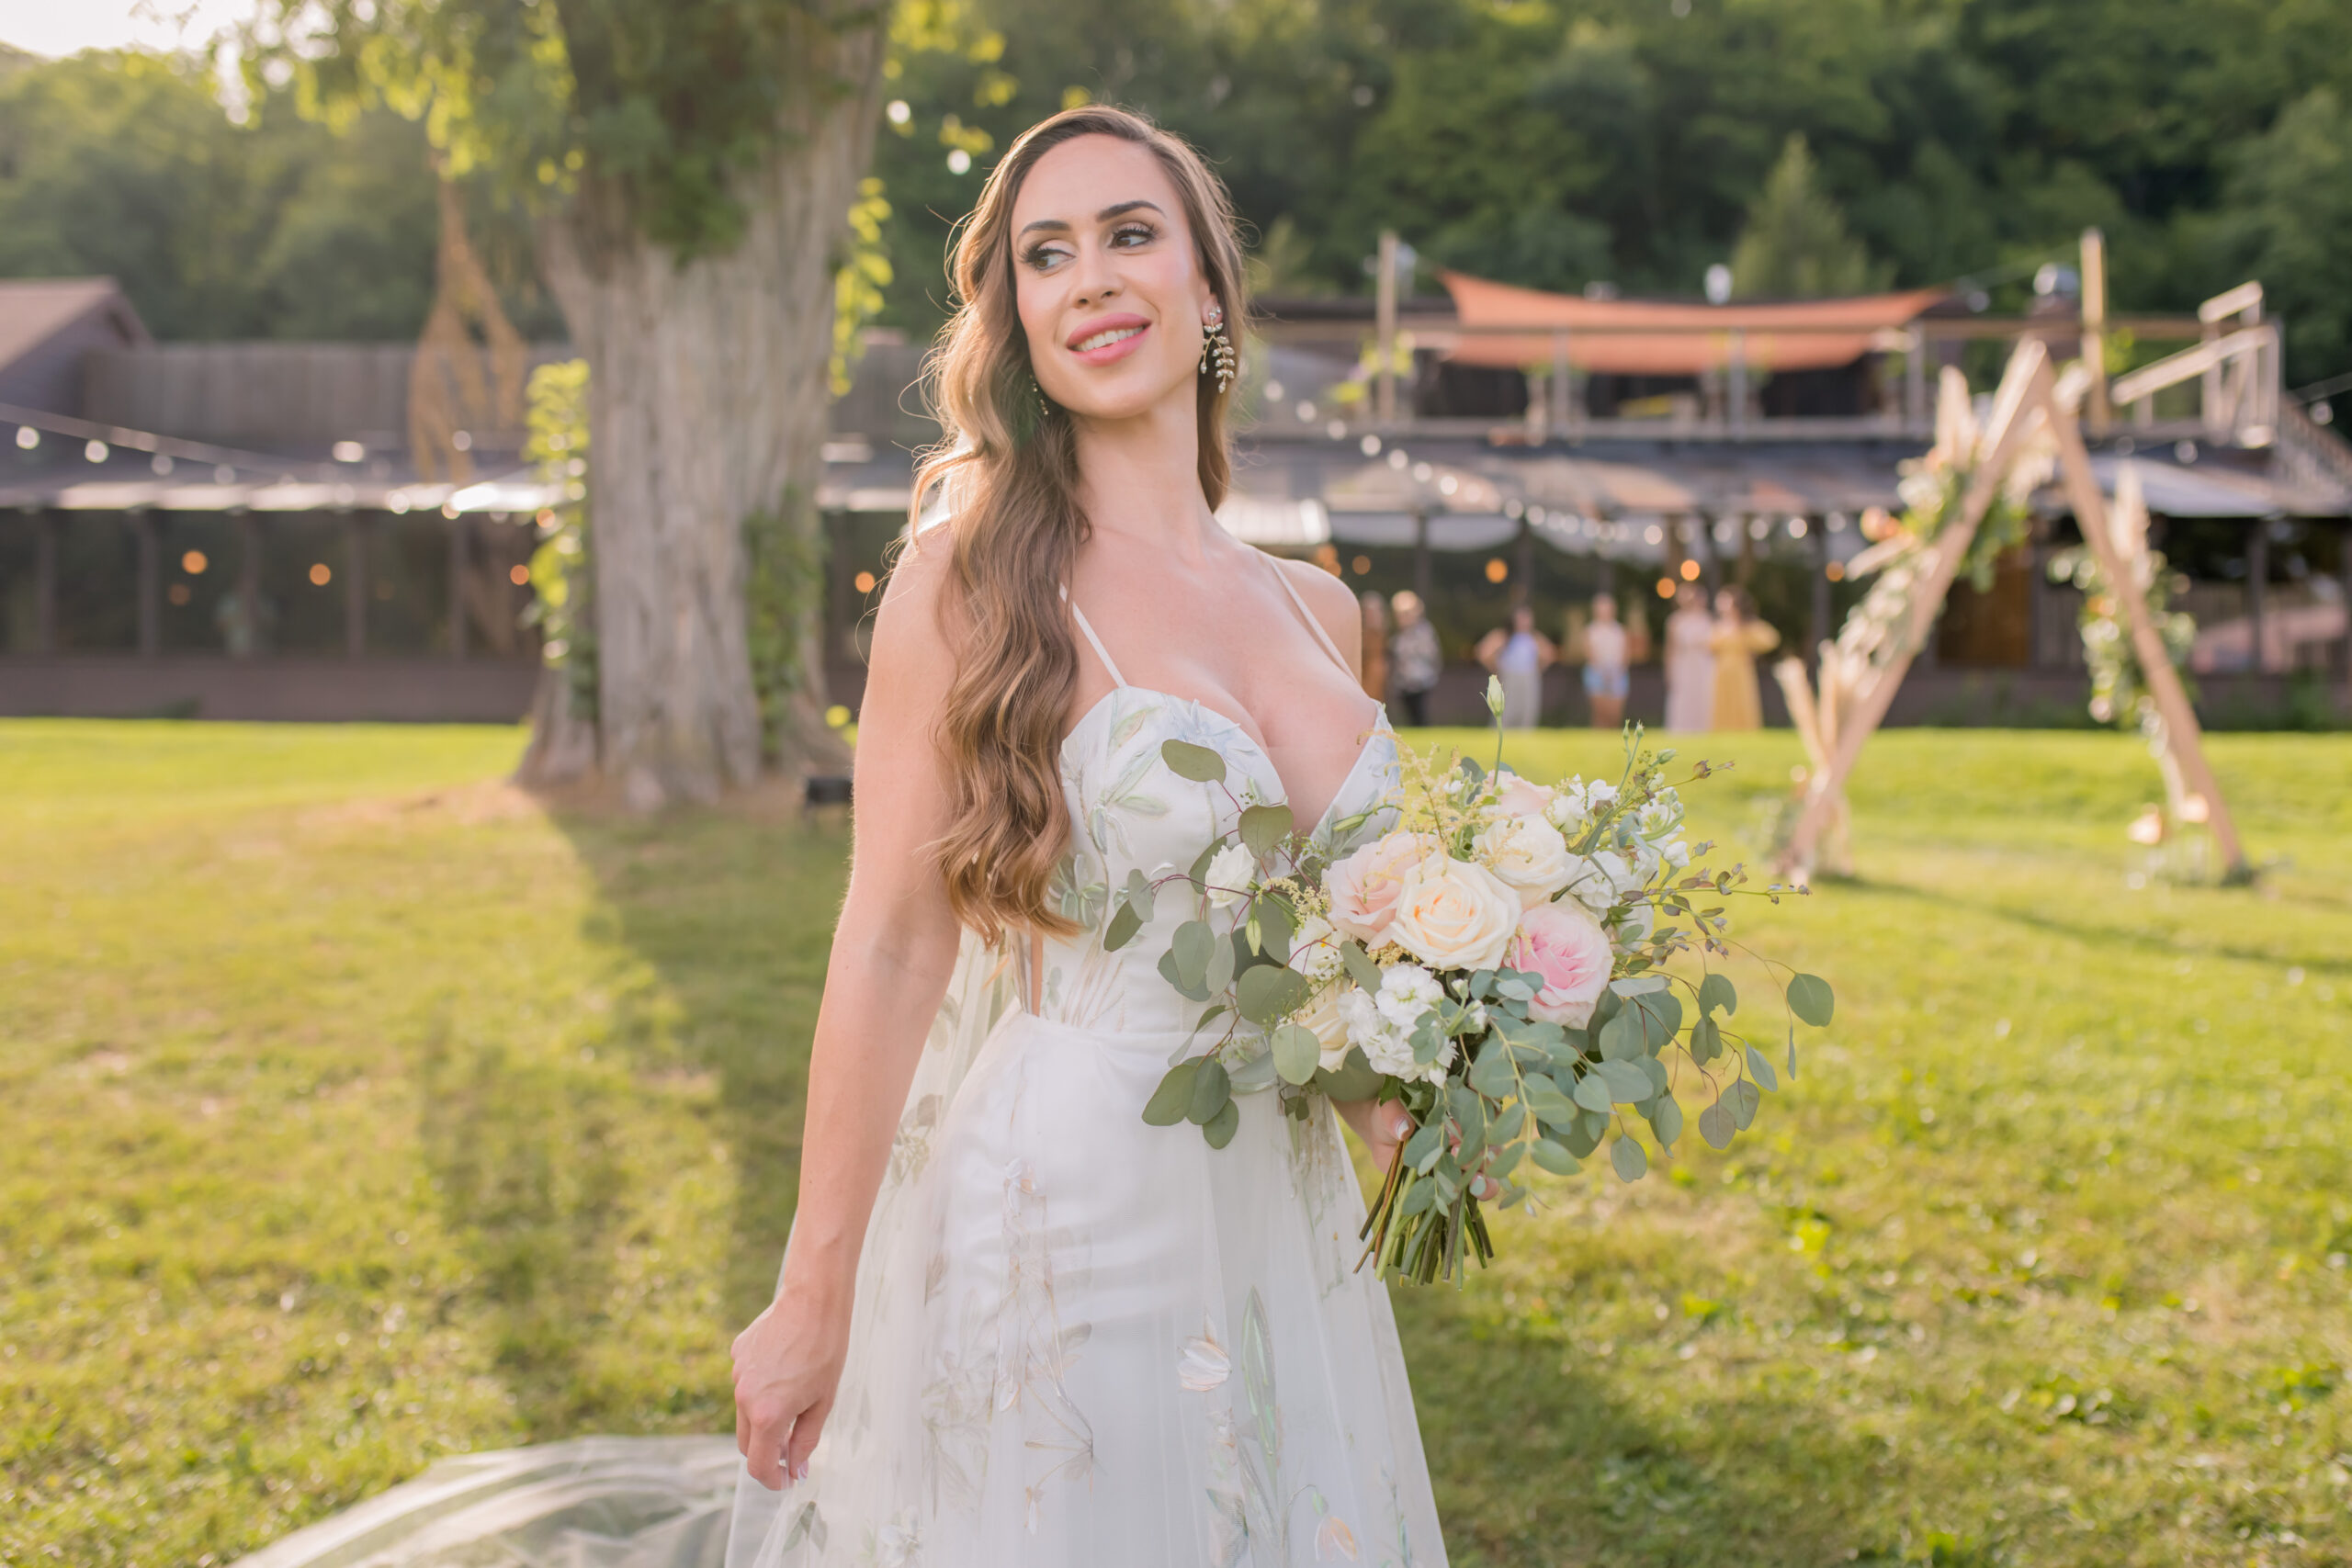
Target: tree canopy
1552	143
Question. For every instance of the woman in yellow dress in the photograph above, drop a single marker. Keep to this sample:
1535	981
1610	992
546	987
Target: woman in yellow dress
1738	638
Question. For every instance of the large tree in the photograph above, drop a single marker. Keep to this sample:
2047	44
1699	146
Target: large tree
694	163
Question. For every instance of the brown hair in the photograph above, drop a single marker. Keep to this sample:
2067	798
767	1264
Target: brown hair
1006	473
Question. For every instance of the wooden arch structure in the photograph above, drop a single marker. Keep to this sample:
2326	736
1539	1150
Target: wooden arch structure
2035	423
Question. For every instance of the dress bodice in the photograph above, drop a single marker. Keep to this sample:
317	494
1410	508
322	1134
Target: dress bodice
1129	812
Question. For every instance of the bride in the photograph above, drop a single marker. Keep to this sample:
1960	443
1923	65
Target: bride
1016	1325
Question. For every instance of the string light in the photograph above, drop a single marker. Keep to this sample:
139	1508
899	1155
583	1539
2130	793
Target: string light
1496	569
865	582
520	576
320	575
27	438
193	563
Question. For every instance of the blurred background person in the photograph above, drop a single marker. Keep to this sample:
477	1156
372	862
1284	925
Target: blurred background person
1689	663
1520	654
1414	657
1376	645
1607	654
1738	639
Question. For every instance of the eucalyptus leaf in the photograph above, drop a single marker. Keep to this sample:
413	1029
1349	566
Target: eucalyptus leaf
1716	1126
1706	1040
1743	1098
1472	772
1627	1083
1553	1157
1354	1079
1592	1093
1124	923
1174	1098
1296	1053
1792	1055
1506	1125
1187	761
1212	1087
1491	1074
1361	968
1274	928
1762	1069
1620	1037
1138	892
1627	1154
1263	827
1507	1158
1168	972
1200	871
1269	992
1810	999
1717	991
1666	1121
1421	1150
1219	1129
1549	1104
1219	974
1584	1136
1418	1200
1190	945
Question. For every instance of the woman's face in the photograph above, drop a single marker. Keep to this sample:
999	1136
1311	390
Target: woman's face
1109	285
1726	606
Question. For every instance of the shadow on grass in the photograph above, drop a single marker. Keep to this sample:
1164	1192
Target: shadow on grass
1535	1464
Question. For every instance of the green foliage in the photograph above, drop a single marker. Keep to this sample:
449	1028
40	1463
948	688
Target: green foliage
785	550
2119	686
1795	244
2288	222
657	109
563	568
124	164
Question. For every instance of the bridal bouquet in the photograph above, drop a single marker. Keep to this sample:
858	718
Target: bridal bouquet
1497	963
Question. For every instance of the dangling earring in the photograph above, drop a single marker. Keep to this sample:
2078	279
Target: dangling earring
1217	348
1045	409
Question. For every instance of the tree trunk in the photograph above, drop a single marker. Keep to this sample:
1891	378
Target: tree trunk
706	404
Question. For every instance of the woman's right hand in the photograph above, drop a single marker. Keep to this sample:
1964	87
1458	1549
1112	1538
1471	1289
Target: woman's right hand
787	1368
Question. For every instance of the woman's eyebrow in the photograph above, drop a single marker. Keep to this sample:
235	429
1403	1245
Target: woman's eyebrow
1116	209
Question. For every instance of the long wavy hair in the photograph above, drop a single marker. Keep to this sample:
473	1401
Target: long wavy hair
1006	474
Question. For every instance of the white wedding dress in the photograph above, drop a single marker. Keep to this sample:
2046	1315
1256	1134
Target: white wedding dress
1083	1342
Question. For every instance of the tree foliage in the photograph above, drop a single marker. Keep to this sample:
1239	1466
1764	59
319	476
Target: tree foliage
1795	244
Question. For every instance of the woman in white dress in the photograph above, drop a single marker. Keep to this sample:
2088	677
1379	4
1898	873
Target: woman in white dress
1016	1325
1690	663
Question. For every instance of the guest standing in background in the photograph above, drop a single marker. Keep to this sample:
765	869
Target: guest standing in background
1738	639
1414	657
1690	663
1520	654
1376	645
1606	651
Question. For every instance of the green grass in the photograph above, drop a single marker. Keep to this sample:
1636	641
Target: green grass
354	1110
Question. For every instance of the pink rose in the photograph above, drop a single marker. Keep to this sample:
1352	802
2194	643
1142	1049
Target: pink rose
1520	798
1363	886
1564	946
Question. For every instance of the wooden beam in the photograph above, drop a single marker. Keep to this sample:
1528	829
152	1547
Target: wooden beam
459	530
355	584
2181	732
2094	287
149	531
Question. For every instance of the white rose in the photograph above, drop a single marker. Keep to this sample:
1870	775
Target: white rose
1528	853
1230	871
1454	915
1408	994
1315	950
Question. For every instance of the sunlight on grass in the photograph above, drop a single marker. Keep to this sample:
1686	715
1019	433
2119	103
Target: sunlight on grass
360	1110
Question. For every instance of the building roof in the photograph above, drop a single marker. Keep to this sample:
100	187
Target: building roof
1652	337
34	309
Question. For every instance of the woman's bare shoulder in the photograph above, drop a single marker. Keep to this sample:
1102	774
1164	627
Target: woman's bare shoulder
1333	602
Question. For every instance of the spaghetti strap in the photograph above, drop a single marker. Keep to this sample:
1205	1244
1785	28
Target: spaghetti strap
1100	651
1308	616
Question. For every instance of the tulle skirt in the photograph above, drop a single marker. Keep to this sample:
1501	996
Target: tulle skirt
1079	1339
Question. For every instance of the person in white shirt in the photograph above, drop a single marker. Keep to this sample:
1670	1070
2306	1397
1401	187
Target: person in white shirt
1605	662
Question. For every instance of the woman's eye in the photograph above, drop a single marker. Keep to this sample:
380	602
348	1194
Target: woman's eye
1044	258
1129	235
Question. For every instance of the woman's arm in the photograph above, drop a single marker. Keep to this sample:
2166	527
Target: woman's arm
893	951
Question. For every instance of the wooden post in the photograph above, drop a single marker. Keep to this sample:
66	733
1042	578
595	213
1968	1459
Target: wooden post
1914	383
2257	591
2181	732
151	583
1559	405
245	639
1384	330
1422	556
355	584
1817	618
46	527
1825	789
1735	394
2097	413
458	527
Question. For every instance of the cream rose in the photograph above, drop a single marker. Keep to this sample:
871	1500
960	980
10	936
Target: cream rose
1363	887
1452	914
1529	854
1518	798
1323	1019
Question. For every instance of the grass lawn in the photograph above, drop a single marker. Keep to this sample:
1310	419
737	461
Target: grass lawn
354	1110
